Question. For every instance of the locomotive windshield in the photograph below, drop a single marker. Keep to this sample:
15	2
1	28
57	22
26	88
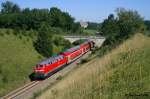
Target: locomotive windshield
39	66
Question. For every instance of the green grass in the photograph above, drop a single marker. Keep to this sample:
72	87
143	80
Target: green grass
124	73
17	58
89	32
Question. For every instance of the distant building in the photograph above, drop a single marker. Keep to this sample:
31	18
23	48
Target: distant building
83	24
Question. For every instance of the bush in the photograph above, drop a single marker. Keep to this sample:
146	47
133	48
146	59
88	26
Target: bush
7	32
1	34
59	78
103	50
20	37
78	42
84	61
60	41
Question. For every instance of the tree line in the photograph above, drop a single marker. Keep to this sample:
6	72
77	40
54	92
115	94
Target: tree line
12	16
43	25
48	22
119	28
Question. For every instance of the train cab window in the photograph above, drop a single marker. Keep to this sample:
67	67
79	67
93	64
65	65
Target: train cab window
39	66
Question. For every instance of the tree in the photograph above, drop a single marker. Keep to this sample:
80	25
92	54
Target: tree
9	7
13	17
55	15
126	24
61	19
44	43
147	23
60	41
93	25
16	9
110	29
26	10
130	22
76	28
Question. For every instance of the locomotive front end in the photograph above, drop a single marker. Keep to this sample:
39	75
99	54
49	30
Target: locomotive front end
39	72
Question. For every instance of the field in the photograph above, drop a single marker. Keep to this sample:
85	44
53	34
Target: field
124	73
17	58
89	32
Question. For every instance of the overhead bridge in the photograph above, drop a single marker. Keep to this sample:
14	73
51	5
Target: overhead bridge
97	39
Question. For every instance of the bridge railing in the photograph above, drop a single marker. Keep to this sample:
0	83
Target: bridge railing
90	37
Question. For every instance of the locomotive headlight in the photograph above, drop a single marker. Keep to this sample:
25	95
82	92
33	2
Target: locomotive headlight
38	70
41	70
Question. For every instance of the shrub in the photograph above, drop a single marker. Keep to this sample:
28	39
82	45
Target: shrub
84	61
7	32
1	34
59	78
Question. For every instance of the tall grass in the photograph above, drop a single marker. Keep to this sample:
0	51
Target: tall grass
123	71
17	58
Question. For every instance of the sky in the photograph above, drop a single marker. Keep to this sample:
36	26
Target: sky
89	10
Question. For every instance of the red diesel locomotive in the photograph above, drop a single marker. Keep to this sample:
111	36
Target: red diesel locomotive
45	67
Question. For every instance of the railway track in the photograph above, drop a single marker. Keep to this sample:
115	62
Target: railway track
29	88
21	90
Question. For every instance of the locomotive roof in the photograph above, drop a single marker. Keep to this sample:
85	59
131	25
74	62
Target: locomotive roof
51	59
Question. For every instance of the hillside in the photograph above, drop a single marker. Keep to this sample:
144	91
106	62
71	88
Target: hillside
122	73
17	58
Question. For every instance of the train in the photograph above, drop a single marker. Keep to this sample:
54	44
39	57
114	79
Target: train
44	68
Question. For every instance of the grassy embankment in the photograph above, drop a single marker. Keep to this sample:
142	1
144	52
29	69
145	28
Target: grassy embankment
123	71
17	58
